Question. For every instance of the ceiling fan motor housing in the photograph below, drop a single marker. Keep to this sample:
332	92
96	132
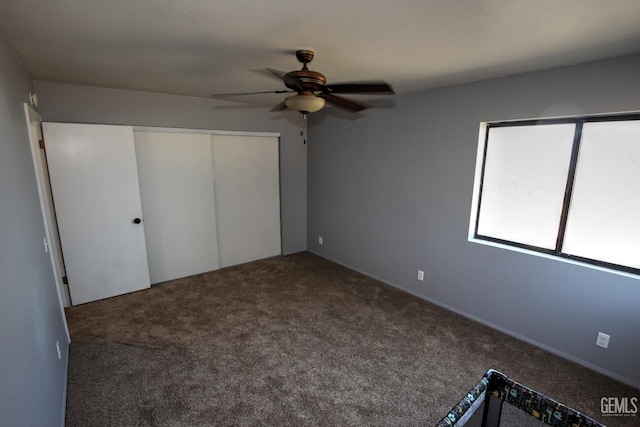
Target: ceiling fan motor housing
304	81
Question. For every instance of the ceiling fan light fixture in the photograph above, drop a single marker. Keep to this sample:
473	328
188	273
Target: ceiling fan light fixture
304	103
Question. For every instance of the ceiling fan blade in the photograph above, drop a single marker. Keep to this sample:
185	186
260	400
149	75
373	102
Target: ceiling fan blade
373	87
277	73
343	103
221	95
279	107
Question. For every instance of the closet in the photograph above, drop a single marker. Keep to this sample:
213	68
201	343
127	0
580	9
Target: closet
138	206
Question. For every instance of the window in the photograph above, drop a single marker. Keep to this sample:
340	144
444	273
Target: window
564	187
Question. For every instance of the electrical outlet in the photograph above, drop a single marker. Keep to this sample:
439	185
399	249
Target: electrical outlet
58	348
320	240
421	275
602	340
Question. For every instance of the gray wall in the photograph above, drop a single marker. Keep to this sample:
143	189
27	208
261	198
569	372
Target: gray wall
390	192
32	378
81	104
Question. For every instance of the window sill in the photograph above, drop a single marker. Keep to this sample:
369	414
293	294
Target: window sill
554	257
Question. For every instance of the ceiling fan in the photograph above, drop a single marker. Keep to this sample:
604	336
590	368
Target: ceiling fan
312	91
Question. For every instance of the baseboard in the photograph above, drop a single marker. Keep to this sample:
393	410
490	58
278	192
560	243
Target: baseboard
499	328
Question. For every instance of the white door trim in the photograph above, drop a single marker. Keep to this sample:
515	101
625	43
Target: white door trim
44	193
205	131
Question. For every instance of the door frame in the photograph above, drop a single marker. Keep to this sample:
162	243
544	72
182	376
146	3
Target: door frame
52	243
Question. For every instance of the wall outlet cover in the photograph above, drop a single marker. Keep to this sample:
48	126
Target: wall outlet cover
602	340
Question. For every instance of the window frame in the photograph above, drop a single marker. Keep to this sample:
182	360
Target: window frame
573	161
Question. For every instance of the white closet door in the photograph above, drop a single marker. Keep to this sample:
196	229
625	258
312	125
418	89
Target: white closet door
94	181
176	184
247	195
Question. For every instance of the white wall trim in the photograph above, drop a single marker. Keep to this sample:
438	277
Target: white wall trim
32	116
506	331
205	131
554	257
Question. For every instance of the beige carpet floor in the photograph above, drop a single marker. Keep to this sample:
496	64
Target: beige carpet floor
295	341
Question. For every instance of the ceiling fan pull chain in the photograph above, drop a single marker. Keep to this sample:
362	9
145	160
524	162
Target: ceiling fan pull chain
303	130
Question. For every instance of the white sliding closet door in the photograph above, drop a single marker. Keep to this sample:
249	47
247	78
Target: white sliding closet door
176	186
94	181
247	196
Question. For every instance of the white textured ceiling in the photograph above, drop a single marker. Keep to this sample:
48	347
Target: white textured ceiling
198	47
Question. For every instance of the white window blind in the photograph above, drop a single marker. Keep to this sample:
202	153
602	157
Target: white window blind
604	215
524	182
